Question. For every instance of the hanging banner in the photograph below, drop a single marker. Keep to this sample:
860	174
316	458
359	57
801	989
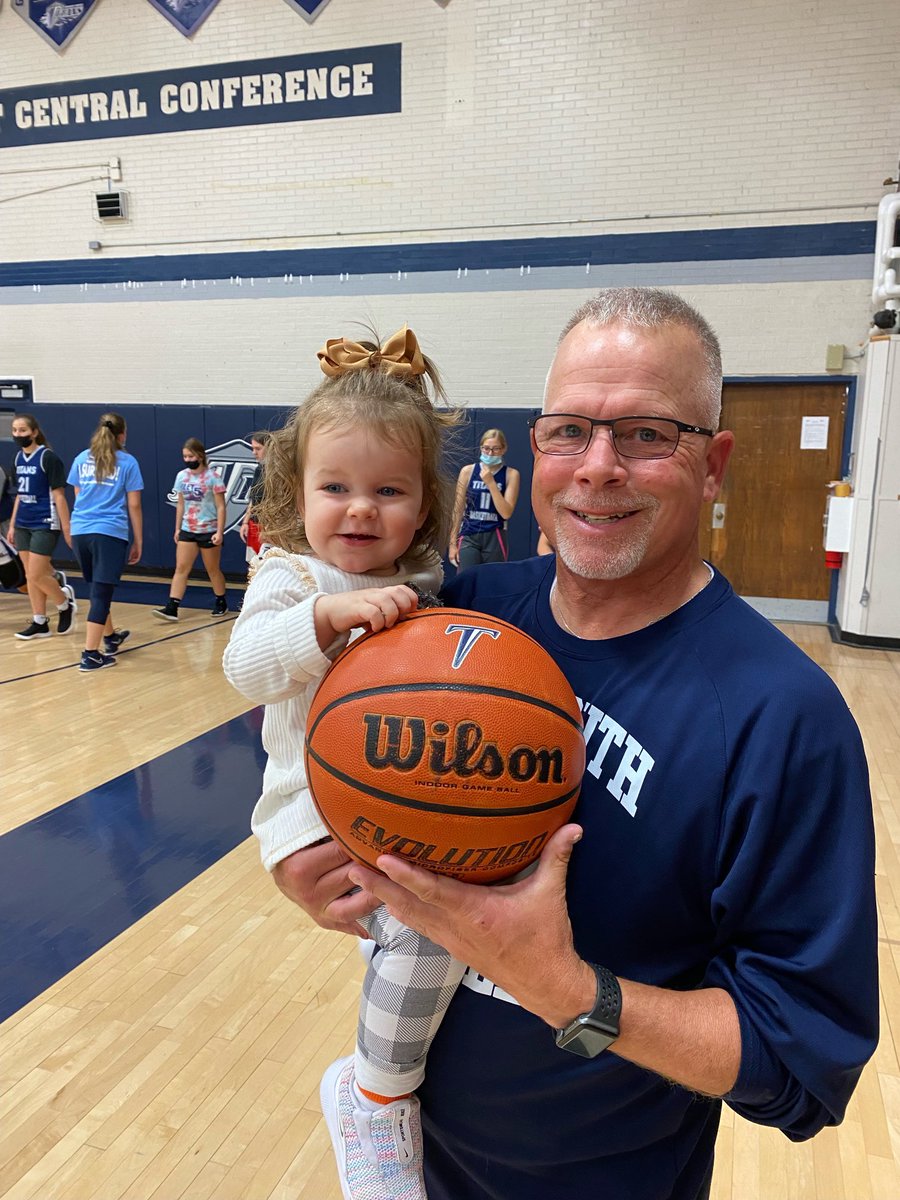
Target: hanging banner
57	23
186	15
360	82
308	9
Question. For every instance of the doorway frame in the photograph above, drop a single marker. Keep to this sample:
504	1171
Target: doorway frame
851	382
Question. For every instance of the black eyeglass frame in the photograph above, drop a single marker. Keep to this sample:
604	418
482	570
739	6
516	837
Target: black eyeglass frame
611	422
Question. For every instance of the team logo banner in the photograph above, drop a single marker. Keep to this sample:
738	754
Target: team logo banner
186	15
57	23
308	9
359	82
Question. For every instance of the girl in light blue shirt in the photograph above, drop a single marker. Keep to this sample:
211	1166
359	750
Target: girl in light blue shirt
107	511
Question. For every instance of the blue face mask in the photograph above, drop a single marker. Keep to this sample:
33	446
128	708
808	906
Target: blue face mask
492	460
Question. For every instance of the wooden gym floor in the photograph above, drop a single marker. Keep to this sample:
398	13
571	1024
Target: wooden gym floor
168	1015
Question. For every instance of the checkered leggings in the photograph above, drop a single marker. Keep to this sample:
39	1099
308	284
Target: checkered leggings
409	983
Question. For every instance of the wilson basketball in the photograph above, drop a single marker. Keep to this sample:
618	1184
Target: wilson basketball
452	739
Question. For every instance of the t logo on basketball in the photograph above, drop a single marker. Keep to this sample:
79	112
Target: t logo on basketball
468	636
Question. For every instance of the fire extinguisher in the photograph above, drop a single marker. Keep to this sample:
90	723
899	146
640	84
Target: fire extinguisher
834	559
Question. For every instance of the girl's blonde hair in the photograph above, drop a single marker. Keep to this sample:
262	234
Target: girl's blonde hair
104	444
197	449
32	424
398	409
495	435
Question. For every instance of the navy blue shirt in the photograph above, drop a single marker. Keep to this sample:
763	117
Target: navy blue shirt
728	842
38	473
480	514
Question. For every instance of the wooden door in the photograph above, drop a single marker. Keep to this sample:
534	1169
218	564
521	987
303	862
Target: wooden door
770	539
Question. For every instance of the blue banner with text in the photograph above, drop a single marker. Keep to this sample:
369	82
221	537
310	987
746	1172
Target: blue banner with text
363	81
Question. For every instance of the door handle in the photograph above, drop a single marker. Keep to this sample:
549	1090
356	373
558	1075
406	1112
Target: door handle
718	516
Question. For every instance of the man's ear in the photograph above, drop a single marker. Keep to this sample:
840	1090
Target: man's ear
718	452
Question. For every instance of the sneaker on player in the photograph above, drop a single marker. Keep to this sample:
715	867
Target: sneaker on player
220	608
67	615
93	660
113	641
168	612
37	629
378	1153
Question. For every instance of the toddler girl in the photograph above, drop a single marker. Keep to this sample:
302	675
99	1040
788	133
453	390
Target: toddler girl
354	508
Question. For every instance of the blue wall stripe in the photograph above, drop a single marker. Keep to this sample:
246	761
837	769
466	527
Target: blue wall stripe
595	275
81	874
694	245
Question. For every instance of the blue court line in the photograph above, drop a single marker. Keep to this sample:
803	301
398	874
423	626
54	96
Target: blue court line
129	650
152	592
81	874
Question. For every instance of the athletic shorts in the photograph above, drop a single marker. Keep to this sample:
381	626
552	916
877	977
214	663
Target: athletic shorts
203	540
102	558
476	548
36	541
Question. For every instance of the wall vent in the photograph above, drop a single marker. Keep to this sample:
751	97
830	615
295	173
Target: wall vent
111	206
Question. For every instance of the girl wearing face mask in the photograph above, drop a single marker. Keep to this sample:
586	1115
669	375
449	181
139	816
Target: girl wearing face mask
486	495
40	513
199	525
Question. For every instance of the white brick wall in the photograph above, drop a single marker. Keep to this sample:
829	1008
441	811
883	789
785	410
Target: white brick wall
492	347
543	120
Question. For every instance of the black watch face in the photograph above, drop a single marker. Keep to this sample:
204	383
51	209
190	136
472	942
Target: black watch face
585	1040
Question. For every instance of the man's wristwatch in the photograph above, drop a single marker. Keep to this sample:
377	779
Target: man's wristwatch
590	1034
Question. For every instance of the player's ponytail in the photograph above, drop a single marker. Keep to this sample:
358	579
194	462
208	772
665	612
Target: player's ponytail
105	444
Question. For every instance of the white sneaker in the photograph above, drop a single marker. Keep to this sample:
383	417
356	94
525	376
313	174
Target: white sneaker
379	1154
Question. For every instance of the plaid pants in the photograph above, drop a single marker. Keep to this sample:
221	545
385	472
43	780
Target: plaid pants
409	983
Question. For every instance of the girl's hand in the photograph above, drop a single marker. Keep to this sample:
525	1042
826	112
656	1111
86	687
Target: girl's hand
486	473
453	552
134	554
316	879
369	608
216	538
242	531
175	537
67	537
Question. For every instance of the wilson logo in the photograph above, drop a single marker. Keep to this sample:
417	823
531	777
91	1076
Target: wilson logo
403	743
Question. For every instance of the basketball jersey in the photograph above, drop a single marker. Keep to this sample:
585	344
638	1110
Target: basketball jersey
37	474
480	515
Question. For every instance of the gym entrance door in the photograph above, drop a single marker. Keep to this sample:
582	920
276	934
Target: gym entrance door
764	532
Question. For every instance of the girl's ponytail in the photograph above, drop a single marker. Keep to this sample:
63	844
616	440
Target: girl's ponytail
105	444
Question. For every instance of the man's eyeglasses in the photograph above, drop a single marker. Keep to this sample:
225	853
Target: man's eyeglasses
633	437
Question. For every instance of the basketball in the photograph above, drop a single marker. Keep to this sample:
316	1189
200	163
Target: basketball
452	739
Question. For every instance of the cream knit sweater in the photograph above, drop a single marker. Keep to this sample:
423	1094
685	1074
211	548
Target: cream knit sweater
273	658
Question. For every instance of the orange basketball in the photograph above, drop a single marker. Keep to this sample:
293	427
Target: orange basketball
452	739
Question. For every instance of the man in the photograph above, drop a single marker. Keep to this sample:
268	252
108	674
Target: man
708	928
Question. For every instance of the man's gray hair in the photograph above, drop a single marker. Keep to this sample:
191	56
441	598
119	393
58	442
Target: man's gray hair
655	308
